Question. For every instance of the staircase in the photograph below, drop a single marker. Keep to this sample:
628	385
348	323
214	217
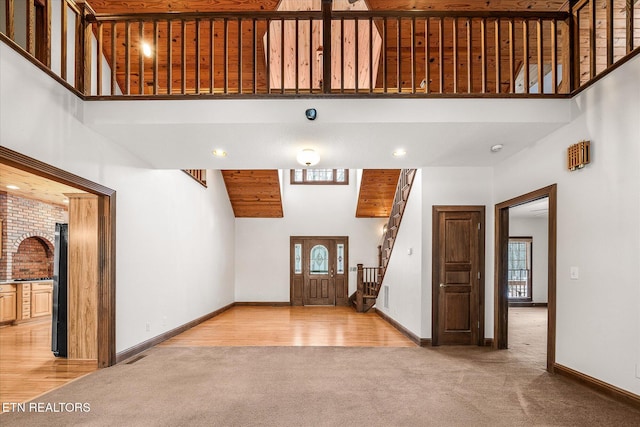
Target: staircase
370	278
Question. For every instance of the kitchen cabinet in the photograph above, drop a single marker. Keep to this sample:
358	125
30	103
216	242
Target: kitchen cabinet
34	300
8	303
41	299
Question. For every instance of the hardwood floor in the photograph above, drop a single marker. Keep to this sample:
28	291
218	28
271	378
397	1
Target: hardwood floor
27	366
292	326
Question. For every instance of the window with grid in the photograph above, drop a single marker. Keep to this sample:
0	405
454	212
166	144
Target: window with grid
519	274
320	176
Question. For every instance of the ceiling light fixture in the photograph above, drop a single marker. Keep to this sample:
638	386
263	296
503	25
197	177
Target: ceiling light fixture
146	49
219	153
308	157
13	187
399	153
496	148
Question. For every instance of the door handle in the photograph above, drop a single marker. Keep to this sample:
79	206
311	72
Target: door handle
442	285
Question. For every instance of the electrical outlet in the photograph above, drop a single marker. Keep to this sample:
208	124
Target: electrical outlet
574	273
148	327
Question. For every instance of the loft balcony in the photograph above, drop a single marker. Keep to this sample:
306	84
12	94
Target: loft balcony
337	48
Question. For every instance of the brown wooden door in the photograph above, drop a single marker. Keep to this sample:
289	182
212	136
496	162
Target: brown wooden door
319	271
457	260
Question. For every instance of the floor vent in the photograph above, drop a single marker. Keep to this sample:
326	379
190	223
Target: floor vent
135	359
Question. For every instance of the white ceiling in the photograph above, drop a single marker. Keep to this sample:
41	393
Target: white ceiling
535	209
351	133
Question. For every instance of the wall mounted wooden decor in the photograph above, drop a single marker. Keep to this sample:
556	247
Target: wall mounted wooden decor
578	155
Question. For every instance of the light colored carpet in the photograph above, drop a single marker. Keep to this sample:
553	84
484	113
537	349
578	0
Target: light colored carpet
328	386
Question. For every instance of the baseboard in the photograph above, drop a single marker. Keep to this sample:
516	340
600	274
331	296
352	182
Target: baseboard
601	386
263	304
422	342
139	348
528	304
488	342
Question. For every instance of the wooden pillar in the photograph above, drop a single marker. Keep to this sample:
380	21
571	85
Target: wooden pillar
84	35
326	46
83	276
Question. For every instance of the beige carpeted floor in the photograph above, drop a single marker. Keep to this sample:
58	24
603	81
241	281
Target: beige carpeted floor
332	386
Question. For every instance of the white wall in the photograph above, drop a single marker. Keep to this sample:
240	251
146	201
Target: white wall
262	244
598	330
538	230
404	271
174	239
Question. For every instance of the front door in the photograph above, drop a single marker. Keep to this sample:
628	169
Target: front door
458	280
319	271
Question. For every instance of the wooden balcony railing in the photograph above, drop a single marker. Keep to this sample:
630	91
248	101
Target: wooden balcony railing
361	53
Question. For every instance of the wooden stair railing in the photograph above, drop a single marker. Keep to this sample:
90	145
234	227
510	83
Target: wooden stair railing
370	279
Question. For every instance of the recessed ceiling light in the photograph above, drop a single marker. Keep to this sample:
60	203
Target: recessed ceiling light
13	187
497	148
399	153
219	153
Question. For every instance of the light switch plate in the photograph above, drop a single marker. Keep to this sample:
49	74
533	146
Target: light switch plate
574	273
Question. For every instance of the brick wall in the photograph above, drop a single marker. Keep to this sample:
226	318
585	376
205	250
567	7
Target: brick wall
32	220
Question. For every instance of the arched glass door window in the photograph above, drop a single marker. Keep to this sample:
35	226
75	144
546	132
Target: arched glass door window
319	260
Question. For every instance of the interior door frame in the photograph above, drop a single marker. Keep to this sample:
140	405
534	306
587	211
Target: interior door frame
106	327
301	239
435	268
501	301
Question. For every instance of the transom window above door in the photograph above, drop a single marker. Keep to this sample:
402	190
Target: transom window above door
320	176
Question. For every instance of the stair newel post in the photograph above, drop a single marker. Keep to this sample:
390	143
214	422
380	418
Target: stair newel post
360	291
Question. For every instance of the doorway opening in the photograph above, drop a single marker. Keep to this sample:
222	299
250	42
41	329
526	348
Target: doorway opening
102	318
319	271
522	279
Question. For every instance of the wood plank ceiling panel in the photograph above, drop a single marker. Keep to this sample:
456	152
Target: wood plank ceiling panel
254	193
161	6
33	187
377	190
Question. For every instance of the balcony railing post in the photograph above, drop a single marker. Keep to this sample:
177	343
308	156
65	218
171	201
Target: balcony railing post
83	47
326	46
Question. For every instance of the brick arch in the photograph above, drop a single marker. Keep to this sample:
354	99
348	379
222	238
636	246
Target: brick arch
48	239
33	257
